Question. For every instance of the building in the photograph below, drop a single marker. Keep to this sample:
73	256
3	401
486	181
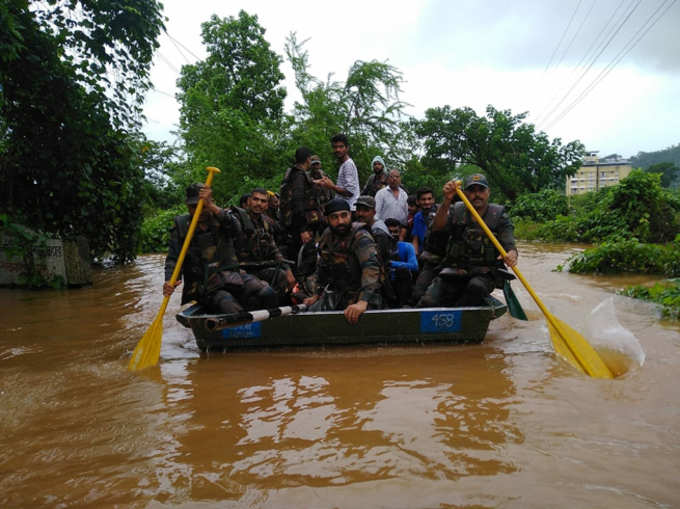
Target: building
596	173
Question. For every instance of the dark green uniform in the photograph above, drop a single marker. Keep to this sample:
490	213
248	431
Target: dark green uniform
210	270
348	270
257	250
299	208
470	269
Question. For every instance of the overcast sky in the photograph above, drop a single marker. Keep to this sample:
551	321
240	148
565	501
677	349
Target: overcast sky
606	72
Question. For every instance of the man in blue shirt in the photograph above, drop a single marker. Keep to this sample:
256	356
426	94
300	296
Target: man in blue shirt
403	264
423	218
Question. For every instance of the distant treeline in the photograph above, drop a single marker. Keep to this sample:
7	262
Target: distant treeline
646	159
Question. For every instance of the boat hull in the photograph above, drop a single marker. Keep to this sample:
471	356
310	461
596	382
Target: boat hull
385	326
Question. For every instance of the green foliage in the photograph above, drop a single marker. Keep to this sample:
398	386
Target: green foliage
514	157
155	230
667	294
646	159
635	208
27	244
670	173
231	113
366	107
527	229
542	206
67	163
629	255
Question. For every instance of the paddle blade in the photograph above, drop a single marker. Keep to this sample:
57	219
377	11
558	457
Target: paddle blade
148	350
512	302
576	350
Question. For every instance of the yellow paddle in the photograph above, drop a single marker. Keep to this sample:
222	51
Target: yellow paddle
148	349
567	342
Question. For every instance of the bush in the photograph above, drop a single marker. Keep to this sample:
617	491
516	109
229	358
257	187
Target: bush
155	231
635	208
629	255
542	206
667	294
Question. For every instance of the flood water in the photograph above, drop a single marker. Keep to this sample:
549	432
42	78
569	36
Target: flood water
501	424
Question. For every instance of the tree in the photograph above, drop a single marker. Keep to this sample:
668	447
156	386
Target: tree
513	155
670	173
67	164
231	112
366	107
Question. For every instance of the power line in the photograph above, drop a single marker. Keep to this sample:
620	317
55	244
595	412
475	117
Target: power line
162	92
587	55
183	46
624	51
559	43
178	49
607	43
578	31
167	62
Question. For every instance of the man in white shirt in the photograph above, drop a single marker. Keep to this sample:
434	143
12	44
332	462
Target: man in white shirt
392	201
347	187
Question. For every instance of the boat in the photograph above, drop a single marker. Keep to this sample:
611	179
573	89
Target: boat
383	326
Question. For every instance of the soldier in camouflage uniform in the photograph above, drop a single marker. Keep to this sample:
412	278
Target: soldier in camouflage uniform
256	247
348	274
211	270
325	195
299	206
472	267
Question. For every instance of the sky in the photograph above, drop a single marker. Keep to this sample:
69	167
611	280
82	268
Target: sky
605	72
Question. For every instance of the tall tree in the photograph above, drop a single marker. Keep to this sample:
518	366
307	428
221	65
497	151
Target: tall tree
514	156
232	102
366	107
66	163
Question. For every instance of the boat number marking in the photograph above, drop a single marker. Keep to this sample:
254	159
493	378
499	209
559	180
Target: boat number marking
249	330
440	321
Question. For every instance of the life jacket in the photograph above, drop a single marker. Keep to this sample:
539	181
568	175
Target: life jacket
337	261
468	246
254	244
312	200
210	254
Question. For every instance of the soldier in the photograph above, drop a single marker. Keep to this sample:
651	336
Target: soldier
347	275
256	247
299	206
317	174
472	267
211	269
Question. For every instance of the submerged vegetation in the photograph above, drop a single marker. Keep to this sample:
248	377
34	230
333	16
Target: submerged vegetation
666	294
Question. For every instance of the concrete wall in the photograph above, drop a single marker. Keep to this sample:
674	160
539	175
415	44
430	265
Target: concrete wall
68	260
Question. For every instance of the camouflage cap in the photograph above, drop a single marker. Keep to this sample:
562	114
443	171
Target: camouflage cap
192	193
477	179
366	201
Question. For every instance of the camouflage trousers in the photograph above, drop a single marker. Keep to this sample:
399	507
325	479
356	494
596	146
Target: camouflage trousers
459	291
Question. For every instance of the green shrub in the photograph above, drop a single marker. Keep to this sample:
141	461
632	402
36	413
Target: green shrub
667	294
155	231
527	229
629	255
635	208
542	206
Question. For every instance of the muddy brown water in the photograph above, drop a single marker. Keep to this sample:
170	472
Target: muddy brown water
501	424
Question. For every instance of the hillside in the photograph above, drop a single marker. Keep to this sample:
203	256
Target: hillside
646	159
